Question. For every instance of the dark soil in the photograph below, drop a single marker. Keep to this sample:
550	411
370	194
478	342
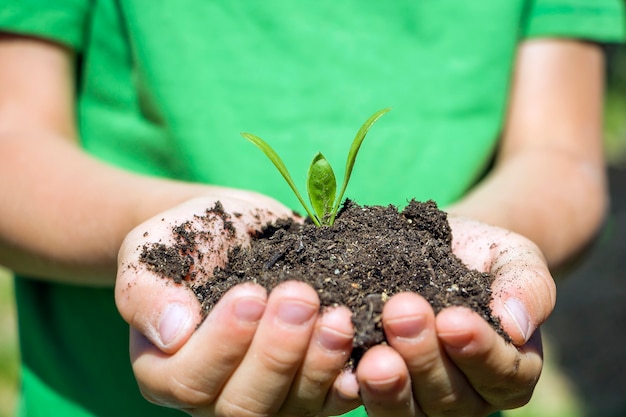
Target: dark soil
368	255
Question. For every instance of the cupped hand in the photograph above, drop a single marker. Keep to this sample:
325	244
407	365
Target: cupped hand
255	354
455	363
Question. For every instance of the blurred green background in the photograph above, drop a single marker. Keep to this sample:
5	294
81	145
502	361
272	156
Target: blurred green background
615	112
8	346
585	365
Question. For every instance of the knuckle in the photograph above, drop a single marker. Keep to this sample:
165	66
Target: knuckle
243	407
443	407
511	394
317	380
425	363
175	394
515	388
280	361
186	393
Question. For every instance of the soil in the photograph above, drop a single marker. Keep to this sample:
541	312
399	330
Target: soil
368	255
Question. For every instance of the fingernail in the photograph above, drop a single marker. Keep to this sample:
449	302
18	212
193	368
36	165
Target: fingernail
517	311
295	313
458	336
457	340
174	320
249	309
347	386
407	328
330	335
331	339
382	386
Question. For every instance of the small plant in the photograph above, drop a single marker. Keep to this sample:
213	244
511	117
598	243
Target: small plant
321	183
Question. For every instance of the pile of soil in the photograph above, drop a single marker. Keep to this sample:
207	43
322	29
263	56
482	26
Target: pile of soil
368	255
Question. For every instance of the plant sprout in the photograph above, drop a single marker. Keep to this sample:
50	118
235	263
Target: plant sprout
321	183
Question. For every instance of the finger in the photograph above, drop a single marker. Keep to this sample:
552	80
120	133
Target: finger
439	387
182	244
344	395
524	292
152	258
385	384
195	374
327	355
262	381
499	372
165	313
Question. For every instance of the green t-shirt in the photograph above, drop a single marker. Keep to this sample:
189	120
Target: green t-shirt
165	87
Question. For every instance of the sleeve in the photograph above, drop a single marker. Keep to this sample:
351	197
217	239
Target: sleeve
62	21
595	20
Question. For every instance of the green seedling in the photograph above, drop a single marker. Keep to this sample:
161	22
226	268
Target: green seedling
321	183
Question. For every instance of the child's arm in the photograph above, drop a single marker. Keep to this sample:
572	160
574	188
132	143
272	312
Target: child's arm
64	214
549	182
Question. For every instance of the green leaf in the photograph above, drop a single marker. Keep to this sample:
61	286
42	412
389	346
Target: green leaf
354	149
321	186
279	164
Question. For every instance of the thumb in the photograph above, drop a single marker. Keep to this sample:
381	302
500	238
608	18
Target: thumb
524	292
161	259
163	311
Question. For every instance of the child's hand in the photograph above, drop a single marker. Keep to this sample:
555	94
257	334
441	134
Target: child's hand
254	354
455	363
